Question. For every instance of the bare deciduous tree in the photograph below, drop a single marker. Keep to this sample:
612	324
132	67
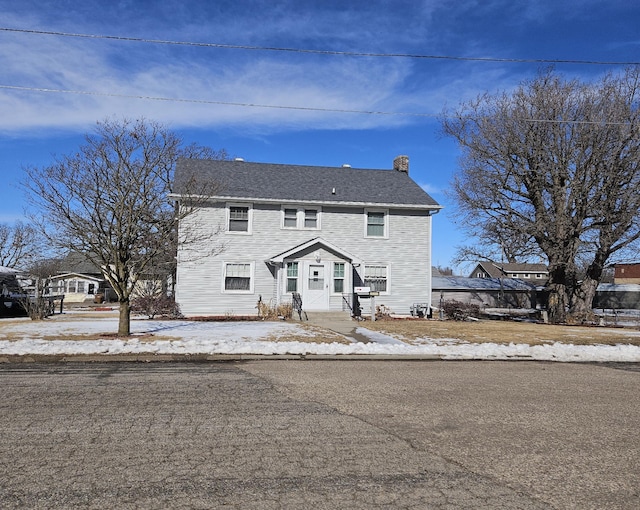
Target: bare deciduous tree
110	202
18	245
557	162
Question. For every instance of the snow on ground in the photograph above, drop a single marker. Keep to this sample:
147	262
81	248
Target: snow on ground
25	337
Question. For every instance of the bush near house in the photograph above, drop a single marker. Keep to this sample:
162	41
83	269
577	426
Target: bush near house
151	306
459	311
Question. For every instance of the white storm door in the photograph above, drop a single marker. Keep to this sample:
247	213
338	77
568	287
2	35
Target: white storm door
316	287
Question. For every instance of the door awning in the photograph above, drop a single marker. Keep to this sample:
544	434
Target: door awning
315	243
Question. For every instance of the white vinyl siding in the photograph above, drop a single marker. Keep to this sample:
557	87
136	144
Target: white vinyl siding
406	252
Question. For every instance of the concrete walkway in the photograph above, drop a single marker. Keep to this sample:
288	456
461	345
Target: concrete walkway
340	322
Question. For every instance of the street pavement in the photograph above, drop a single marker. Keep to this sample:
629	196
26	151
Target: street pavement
319	434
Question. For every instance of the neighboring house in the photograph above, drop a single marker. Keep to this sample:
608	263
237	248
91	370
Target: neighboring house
318	231
79	280
626	273
76	287
538	274
485	292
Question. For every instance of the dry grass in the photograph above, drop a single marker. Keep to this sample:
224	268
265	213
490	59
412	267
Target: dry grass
409	330
318	336
504	332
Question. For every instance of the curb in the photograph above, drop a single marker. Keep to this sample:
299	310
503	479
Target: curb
213	358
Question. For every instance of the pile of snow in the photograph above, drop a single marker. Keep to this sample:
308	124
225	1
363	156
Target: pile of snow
197	338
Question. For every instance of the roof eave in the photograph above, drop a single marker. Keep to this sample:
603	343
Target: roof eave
224	198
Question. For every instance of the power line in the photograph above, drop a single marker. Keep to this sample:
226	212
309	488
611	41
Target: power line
222	103
322	52
282	107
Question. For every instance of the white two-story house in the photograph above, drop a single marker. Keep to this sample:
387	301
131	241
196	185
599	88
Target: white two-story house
320	232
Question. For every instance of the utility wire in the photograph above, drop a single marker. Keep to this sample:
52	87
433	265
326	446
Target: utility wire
321	52
224	103
283	107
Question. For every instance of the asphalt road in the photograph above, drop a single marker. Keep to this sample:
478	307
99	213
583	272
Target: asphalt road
320	434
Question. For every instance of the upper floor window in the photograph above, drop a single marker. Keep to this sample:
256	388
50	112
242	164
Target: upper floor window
290	218
375	224
293	217
239	218
310	218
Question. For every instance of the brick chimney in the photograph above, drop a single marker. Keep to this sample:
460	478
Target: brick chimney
401	164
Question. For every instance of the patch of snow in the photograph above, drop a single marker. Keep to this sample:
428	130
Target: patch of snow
188	337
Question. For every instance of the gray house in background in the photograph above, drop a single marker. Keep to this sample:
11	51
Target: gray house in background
485	292
321	232
538	274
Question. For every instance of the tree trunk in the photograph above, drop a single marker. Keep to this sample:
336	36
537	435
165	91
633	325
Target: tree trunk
582	300
558	293
124	324
582	297
558	303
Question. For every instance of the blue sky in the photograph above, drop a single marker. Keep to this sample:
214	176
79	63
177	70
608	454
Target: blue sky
114	75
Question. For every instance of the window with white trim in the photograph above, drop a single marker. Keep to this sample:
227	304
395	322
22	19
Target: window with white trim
290	218
292	277
301	218
338	277
237	277
375	223
310	218
376	277
239	218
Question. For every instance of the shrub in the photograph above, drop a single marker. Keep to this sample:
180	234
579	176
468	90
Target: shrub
270	311
160	304
459	311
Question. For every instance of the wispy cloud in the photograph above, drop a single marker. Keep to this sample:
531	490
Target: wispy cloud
116	69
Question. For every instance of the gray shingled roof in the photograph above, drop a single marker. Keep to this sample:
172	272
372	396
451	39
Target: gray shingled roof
265	181
493	269
462	283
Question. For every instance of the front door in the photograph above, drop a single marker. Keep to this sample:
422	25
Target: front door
316	287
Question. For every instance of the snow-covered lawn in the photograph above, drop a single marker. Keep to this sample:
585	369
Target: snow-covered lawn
69	335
